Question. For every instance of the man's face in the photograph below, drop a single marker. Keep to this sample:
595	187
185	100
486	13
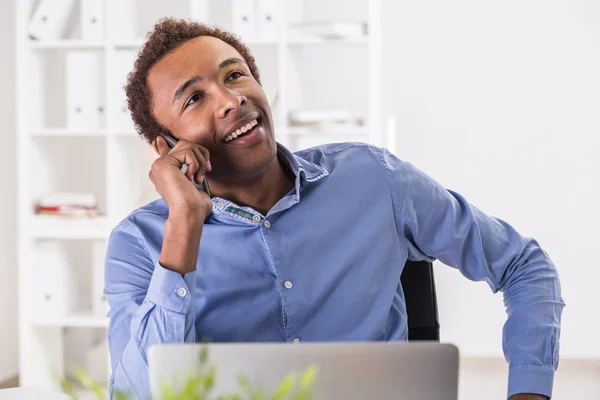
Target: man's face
203	92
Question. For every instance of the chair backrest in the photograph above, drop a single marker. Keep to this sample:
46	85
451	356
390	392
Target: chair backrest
421	302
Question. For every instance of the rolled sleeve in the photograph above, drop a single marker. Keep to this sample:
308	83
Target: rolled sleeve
171	290
536	379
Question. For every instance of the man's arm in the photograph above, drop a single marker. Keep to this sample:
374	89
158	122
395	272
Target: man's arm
150	303
435	223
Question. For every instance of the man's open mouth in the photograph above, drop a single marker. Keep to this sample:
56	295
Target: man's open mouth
244	130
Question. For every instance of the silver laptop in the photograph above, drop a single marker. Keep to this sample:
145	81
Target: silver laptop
347	370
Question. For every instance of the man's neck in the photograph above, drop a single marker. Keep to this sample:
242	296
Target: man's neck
261	193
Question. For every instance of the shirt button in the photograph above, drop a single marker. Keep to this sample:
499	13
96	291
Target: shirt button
267	224
296	340
288	284
181	292
256	218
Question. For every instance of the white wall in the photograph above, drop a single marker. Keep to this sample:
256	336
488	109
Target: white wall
499	101
8	271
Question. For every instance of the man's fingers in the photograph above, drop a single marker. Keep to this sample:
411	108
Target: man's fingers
202	164
194	159
191	162
206	155
162	146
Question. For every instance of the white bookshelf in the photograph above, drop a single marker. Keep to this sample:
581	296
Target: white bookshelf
110	160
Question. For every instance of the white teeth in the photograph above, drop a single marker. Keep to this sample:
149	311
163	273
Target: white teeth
241	130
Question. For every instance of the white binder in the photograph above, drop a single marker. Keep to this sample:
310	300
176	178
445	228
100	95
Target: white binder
268	19
244	19
49	20
84	81
122	65
92	19
123	20
55	286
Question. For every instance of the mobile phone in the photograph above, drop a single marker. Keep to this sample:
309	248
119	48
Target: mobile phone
171	141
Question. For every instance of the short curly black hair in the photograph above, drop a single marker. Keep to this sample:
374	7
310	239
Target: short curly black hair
167	35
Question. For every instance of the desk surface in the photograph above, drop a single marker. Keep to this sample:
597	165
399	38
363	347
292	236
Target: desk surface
31	394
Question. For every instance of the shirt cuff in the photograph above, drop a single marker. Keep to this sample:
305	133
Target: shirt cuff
536	379
171	290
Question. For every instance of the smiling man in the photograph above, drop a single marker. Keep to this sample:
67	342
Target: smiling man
287	249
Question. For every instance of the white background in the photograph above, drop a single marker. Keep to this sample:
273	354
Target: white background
500	101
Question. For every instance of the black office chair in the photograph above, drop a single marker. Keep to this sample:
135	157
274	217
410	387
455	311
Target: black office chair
421	302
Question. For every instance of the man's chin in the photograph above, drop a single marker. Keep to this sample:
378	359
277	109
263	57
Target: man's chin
243	163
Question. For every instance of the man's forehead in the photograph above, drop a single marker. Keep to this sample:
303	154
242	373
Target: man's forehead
195	55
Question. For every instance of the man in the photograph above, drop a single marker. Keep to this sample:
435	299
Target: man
292	247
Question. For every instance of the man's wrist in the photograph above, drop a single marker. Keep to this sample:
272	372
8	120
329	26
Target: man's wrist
181	239
188	216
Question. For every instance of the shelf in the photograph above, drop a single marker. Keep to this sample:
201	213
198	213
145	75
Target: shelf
294	40
126	133
328	130
360	40
51	227
66	44
138	43
107	157
66	132
78	320
128	44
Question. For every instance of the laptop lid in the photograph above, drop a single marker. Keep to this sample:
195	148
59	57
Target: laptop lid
347	370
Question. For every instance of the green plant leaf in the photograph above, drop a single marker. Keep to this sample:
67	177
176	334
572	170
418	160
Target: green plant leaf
309	377
88	383
168	392
122	396
67	387
199	386
209	379
258	395
244	383
285	387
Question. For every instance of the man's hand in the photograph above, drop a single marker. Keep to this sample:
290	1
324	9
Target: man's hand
188	206
527	396
176	189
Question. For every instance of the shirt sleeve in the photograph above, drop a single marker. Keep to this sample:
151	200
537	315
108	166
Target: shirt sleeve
435	223
148	305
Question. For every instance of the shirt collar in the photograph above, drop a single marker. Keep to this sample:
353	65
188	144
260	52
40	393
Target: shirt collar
302	168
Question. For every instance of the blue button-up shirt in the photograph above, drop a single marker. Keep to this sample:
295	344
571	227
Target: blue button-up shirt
324	264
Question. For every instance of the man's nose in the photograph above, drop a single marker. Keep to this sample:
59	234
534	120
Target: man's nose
228	100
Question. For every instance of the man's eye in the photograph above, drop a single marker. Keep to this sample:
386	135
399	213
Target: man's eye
234	75
195	97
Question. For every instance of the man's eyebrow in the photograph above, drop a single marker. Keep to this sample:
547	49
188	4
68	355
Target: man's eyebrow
229	61
185	86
